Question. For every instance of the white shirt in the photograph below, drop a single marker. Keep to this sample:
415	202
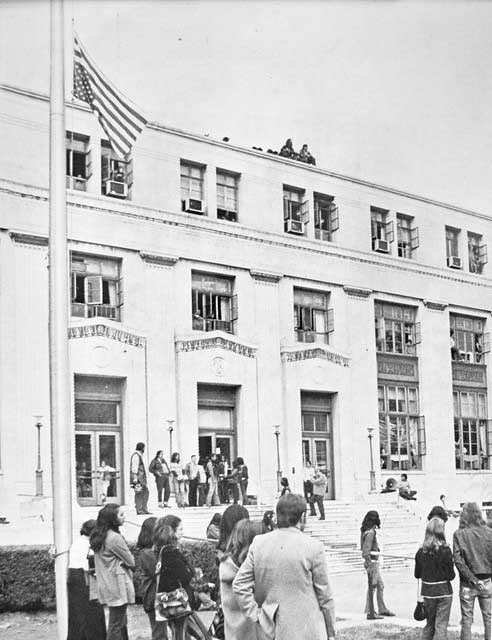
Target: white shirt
77	557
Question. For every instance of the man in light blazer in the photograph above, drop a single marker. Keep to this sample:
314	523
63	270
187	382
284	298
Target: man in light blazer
283	583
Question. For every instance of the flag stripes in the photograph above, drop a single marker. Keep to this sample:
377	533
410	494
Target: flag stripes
119	119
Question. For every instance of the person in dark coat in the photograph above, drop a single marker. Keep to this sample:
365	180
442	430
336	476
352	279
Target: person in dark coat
85	614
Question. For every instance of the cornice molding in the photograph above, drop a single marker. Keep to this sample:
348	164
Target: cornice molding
29	240
158	260
265	277
104	331
434	305
357	292
215	342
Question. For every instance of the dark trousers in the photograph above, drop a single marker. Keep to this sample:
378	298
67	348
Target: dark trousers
162	484
202	493
308	494
141	499
192	492
85	617
244	490
159	628
321	506
438	610
117	623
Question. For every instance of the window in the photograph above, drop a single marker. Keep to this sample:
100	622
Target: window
227	188
214	307
452	248
477	253
116	173
97	288
396	329
381	230
296	210
401	429
467	339
472	432
325	217
78	160
313	321
407	236
192	188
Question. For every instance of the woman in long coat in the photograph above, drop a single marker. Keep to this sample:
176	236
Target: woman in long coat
236	624
114	564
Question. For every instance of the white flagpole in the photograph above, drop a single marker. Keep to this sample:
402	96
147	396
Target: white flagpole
60	415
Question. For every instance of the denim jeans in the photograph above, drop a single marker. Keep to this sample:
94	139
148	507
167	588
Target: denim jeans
467	602
374	583
438	611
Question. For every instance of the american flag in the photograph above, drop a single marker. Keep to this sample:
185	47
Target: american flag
120	120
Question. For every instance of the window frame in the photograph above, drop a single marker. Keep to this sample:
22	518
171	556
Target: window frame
471	429
217	302
227	212
92	290
386	324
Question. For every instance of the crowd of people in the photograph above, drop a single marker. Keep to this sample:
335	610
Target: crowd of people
207	481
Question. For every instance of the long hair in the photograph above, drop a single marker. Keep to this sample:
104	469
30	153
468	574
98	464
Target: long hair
434	535
163	536
371	519
240	540
216	518
144	540
175	457
471	516
157	454
87	528
107	519
231	515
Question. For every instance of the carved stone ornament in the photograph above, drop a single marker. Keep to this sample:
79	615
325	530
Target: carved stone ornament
102	331
265	277
218	365
215	342
434	305
357	292
317	352
28	239
158	260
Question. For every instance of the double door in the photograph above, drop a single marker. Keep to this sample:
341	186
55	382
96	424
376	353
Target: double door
212	442
318	451
98	466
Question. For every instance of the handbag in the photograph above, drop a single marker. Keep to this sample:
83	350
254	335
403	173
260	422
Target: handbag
169	604
419	613
216	629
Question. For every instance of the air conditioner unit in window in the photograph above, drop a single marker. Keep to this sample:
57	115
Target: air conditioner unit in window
454	262
294	226
116	189
193	205
380	245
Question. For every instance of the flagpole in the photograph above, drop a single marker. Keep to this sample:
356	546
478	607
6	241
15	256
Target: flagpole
61	433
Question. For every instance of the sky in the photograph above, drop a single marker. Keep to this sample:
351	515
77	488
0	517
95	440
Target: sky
399	93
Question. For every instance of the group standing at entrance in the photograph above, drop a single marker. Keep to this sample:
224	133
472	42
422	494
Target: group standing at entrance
209	481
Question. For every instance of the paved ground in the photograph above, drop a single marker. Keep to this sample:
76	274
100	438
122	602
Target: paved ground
400	595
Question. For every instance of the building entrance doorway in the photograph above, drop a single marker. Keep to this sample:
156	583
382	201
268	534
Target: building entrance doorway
97	470
209	443
98	440
317	438
216	421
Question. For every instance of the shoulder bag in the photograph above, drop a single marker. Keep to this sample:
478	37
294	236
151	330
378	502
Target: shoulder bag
169	605
419	613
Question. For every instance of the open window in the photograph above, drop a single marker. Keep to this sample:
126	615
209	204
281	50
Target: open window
325	217
213	303
78	161
192	179
381	230
407	236
477	253
96	287
313	320
296	211
116	173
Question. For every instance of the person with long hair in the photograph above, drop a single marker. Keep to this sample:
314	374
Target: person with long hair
213	529
85	613
160	470
472	550
236	624
145	563
434	567
178	479
230	517
114	564
370	553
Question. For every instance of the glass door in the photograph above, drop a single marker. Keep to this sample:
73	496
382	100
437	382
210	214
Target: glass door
97	467
317	451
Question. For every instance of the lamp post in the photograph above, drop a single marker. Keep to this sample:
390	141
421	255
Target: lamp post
279	472
372	473
170	429
39	471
